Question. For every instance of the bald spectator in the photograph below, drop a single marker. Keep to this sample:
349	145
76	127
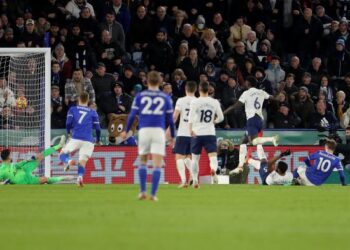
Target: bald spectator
188	36
295	69
114	28
316	70
238	32
141	29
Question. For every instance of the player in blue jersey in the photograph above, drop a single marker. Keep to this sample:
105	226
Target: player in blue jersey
324	163
155	111
80	123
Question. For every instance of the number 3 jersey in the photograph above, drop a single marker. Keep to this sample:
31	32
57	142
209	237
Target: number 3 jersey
80	122
183	106
324	164
204	111
253	99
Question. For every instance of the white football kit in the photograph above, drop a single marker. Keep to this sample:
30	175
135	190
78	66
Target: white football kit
253	99
183	106
275	178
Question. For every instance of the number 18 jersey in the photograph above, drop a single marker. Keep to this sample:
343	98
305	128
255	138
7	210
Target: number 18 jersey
253	99
183	106
203	111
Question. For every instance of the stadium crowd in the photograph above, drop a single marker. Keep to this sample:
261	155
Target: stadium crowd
296	50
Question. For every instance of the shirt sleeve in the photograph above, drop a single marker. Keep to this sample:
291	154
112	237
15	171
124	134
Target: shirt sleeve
178	105
266	95
269	179
220	115
243	97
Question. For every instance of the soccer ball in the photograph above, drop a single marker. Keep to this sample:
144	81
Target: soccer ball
21	102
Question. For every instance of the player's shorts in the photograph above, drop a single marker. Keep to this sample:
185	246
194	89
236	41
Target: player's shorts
183	145
304	181
85	148
208	142
151	140
254	125
263	172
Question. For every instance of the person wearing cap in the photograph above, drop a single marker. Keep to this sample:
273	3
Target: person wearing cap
122	101
30	37
159	54
58	109
274	73
285	118
303	106
339	61
312	87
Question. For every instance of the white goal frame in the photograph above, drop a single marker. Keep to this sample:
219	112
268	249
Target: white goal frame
47	93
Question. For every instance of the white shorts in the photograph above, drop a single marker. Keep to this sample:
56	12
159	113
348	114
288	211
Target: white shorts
304	181
151	140
85	148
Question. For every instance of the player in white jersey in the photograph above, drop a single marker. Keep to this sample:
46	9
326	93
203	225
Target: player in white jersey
270	173
205	112
182	147
253	100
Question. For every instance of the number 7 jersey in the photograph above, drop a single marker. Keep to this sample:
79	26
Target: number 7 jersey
204	111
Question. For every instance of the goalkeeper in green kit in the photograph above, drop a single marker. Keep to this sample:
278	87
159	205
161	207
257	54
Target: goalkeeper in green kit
22	172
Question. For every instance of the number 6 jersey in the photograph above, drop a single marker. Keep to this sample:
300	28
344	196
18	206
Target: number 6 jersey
203	111
253	99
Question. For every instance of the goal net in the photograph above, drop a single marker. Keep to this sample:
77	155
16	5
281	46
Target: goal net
25	102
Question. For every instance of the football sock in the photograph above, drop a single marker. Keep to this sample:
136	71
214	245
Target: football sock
53	180
155	180
242	154
81	171
254	163
195	166
188	163
295	174
213	162
260	151
65	158
50	150
180	164
262	140
143	178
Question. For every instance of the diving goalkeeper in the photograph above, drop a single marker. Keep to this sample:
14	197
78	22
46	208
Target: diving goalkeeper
22	172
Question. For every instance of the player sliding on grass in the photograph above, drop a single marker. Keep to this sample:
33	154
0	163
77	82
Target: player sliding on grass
271	174
80	122
324	163
22	172
155	110
205	112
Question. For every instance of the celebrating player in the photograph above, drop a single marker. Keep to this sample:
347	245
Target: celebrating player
271	174
324	163
155	110
80	123
22	172
183	139
205	112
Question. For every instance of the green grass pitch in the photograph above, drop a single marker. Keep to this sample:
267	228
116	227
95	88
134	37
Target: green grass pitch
214	217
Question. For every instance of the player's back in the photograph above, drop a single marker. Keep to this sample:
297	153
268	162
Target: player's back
253	99
153	107
324	164
275	178
183	105
202	115
82	119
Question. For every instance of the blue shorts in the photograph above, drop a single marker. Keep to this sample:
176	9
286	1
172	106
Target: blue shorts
208	142
182	145
263	171
254	125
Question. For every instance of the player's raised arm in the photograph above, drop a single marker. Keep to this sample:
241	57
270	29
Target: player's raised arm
235	106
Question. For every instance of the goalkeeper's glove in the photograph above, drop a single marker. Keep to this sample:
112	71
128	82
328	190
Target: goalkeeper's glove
285	153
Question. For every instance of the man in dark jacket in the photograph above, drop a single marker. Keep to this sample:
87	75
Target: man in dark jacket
303	106
324	120
141	29
285	118
102	83
114	28
339	61
30	37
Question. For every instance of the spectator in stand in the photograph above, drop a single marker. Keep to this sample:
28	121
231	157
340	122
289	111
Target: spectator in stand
74	7
289	85
321	15
162	21
248	68
58	111
231	67
75	86
42	26
211	72
19	28
345	86
180	20
295	69
329	90
303	106
211	48
262	81
102	83
110	53
159	54
7	98
30	37
188	36
264	53
252	42
167	89
275	74
54	11
260	31
60	57
8	40
322	96
121	12
88	25
182	53
212	91
178	83
339	61
322	119
341	33
57	78
340	105
199	26
55	35
221	28
192	66
240	55
221	82
316	70
118	102
7	119
141	29
114	28
285	118
238	32
312	87
281	98
129	79
83	58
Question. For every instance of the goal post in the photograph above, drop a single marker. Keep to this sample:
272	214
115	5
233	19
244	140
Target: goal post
25	98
